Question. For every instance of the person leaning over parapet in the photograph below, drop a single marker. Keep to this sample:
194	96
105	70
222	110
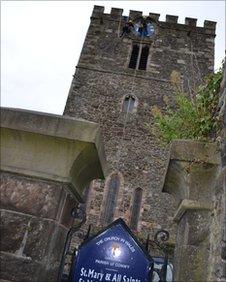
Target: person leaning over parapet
127	28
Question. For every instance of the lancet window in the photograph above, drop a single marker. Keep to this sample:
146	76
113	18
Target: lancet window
136	207
111	198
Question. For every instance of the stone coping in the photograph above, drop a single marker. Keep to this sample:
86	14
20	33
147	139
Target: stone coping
49	124
189	164
54	147
194	151
190	151
189	205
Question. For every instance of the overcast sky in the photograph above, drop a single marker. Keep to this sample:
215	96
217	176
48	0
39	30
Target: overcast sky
41	43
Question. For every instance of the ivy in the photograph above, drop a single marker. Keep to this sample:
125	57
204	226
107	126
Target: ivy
190	118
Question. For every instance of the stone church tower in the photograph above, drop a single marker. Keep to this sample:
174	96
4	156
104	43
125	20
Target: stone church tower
119	77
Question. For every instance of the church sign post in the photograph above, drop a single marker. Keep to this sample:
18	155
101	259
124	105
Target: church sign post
113	255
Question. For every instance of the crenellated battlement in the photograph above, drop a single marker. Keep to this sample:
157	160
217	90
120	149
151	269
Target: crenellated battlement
171	21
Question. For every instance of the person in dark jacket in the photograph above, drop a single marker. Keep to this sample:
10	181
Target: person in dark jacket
127	28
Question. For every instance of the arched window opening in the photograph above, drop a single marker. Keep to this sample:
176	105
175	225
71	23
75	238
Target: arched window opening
134	57
144	58
139	57
136	207
111	198
128	104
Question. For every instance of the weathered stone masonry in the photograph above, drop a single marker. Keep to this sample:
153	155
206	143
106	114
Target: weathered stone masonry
101	81
46	161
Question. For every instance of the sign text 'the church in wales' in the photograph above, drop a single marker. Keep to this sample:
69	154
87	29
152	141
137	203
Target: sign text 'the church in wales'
114	255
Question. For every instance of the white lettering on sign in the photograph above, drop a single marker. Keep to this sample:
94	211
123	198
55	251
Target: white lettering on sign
91	273
100	261
118	264
130	246
86	275
112	263
129	279
100	242
112	238
117	278
116	239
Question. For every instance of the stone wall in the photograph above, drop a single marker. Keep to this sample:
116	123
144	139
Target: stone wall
100	83
46	161
223	163
35	219
218	259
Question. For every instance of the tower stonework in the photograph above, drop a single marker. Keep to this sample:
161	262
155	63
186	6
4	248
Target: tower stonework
110	89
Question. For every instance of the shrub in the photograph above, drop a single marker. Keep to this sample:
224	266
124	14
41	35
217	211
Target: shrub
190	118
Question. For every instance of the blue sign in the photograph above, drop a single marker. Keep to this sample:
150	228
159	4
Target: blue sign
114	255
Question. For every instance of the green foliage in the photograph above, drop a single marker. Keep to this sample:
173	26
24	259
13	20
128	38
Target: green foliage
195	118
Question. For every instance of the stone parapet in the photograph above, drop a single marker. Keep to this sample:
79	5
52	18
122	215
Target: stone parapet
51	147
171	19
190	22
154	16
209	27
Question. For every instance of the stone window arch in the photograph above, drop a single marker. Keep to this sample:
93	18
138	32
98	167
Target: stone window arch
112	190
136	208
129	104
